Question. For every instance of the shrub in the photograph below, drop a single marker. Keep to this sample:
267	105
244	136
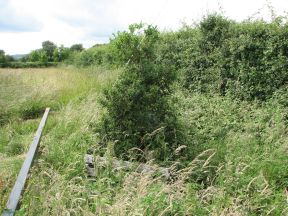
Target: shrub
203	73
247	60
98	55
61	53
38	56
139	113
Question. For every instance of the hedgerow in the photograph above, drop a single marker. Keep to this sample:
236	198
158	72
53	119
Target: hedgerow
247	60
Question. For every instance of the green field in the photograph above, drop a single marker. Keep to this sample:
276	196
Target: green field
239	168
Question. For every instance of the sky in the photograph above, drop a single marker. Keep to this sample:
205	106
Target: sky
25	24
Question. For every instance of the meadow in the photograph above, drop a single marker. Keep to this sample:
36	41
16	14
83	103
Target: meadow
240	151
24	95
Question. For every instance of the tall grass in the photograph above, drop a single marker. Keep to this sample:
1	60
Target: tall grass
238	166
54	87
24	94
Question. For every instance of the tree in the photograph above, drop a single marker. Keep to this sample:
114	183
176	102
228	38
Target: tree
56	57
9	58
43	57
38	56
61	53
34	56
77	47
2	57
49	48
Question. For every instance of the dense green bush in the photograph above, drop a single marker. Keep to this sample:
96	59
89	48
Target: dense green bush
247	60
38	56
203	73
61	53
97	55
5	59
2	56
139	113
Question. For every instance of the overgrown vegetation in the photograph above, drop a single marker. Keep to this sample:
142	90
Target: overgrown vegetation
246	60
138	103
5	59
209	100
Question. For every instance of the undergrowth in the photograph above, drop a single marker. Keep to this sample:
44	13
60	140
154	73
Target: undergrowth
238	168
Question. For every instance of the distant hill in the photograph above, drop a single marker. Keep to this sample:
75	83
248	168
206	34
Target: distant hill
18	56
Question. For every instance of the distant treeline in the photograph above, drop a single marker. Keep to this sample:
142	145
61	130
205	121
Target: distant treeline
247	59
48	55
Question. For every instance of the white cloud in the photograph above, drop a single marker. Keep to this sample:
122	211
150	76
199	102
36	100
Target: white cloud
93	21
12	21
